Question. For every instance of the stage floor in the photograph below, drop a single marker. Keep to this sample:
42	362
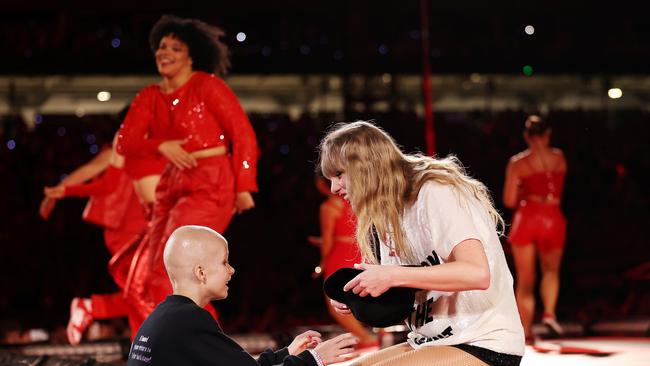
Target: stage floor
578	351
591	351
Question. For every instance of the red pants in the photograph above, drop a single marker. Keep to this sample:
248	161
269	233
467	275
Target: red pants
541	224
121	243
136	260
205	196
107	306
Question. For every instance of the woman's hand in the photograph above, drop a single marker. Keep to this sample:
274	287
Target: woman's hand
175	153
373	281
337	349
308	339
47	205
54	192
340	307
244	201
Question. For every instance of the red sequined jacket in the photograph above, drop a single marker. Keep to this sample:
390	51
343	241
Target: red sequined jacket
204	112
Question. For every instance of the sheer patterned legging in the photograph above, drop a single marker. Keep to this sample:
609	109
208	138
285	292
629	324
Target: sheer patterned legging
403	354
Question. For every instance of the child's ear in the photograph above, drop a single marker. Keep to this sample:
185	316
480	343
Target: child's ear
199	273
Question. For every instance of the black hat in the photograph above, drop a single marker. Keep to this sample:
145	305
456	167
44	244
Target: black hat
389	308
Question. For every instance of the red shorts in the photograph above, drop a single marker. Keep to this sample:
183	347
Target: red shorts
541	224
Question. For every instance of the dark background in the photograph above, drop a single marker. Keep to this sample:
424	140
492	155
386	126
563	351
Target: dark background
45	264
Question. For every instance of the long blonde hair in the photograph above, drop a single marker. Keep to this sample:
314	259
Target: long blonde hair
382	182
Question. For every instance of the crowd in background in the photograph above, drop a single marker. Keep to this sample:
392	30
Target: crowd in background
47	263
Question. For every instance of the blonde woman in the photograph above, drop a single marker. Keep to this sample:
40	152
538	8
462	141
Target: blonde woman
426	212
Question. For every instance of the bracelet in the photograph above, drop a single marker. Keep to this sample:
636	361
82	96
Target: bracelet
319	361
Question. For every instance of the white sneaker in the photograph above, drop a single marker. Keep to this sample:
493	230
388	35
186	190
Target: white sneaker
551	323
80	318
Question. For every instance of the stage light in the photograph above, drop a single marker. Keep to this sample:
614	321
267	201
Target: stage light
93	149
527	70
38	119
241	36
103	96
115	43
529	29
11	144
615	93
386	78
383	49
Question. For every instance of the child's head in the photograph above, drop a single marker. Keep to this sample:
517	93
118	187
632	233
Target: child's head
196	259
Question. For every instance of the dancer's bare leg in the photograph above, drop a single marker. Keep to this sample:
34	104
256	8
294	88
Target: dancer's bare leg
525	261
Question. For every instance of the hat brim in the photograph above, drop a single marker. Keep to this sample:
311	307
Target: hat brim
389	308
334	284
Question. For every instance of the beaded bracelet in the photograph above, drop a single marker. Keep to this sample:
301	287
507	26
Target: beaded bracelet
319	361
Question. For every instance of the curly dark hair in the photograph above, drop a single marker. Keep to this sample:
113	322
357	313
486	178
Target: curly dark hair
207	51
535	126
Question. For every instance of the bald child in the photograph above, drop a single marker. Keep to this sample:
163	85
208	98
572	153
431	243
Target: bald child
180	332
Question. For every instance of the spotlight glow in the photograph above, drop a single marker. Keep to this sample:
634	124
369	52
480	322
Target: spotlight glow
529	29
103	96
527	70
241	36
615	93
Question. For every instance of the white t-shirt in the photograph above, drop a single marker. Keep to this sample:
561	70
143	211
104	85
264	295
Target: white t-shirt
439	220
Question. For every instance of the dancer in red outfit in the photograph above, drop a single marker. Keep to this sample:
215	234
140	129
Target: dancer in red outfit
115	206
534	183
190	119
90	170
338	250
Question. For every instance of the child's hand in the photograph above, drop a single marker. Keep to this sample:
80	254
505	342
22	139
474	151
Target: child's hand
308	339
337	349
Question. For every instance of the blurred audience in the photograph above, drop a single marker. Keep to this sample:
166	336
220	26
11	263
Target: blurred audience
605	203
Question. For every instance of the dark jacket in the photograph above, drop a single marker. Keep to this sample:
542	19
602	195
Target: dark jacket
179	333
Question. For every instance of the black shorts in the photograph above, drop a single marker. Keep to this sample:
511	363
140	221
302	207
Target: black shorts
490	357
